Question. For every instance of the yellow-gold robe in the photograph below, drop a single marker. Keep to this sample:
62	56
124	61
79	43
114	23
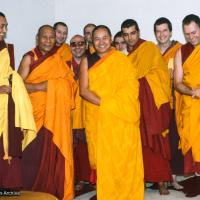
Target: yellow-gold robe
112	129
188	109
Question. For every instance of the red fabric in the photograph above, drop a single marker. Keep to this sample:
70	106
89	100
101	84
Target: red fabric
10	174
186	50
93	176
189	165
81	162
156	150
11	54
138	43
43	165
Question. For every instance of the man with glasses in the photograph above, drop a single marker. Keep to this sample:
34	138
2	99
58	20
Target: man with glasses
81	161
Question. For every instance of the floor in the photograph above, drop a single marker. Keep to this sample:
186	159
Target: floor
150	195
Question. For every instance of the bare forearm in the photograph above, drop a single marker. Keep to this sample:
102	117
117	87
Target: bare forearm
36	87
90	96
180	87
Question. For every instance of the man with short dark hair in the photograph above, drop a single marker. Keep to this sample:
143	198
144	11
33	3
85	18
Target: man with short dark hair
187	84
109	85
61	30
154	92
168	48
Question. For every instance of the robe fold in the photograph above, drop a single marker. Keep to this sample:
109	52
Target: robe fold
81	160
52	113
176	155
112	129
64	51
15	118
154	95
187	115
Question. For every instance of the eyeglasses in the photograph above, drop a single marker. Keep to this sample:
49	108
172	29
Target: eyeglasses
77	44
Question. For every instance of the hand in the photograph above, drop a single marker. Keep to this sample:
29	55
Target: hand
42	86
196	93
5	89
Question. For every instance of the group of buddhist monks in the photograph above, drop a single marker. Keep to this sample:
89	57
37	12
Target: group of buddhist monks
115	113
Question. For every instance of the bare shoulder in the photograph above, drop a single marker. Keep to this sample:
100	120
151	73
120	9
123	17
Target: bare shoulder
24	67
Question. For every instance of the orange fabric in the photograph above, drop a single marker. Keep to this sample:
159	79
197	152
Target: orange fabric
113	129
187	108
168	57
65	52
171	52
154	70
52	109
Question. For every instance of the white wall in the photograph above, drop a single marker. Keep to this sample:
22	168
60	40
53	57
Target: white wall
25	16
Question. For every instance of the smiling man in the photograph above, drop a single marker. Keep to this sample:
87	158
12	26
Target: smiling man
154	92
187	84
109	85
168	48
50	84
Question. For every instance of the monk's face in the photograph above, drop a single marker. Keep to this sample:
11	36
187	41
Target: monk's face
88	34
102	41
46	39
120	43
192	33
3	28
131	35
163	34
78	46
61	34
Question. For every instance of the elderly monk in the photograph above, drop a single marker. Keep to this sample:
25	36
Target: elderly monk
17	126
154	93
108	84
48	162
61	30
168	48
187	84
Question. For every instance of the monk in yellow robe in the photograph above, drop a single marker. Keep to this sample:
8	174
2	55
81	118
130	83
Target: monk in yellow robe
187	84
51	87
62	47
168	48
108	84
154	93
17	126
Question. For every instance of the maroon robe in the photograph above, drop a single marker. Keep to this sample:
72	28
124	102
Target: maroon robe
153	121
81	161
10	174
43	164
189	165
